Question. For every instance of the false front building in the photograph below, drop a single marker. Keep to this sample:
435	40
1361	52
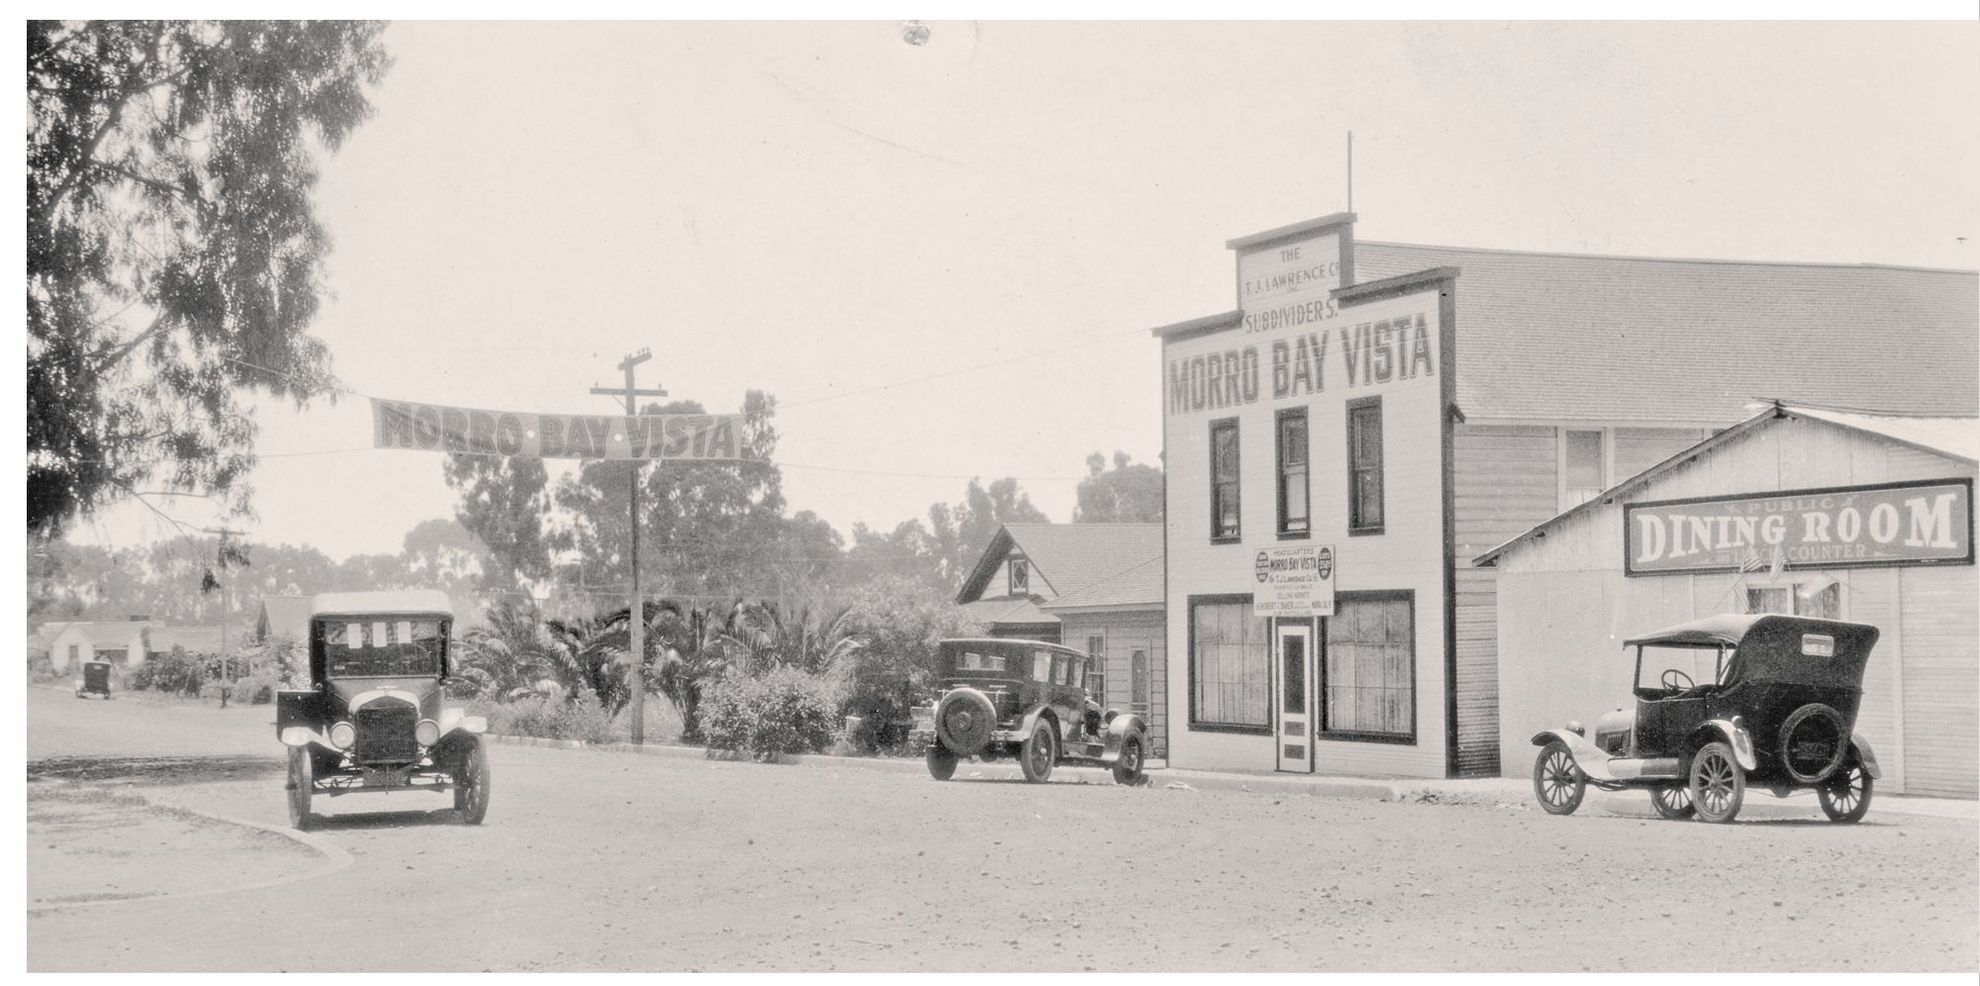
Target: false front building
1374	416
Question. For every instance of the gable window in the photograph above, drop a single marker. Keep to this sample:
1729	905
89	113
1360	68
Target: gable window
1020	577
1224	480
1294	511
1584	465
1229	686
1364	439
1368	672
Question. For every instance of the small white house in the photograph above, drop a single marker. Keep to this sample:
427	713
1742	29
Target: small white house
120	642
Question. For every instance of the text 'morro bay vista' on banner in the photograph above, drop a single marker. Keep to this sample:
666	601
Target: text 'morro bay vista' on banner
433	428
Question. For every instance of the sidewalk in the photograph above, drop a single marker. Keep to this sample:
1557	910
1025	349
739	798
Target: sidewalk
1510	792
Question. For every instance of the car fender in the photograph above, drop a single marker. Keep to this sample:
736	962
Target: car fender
1118	729
1588	757
1733	731
303	736
1030	722
1865	757
457	720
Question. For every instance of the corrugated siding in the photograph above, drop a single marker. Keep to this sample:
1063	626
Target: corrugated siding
1504	484
1941	665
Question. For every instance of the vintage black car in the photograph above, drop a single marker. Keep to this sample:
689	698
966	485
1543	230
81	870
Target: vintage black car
372	718
93	678
1024	699
1738	700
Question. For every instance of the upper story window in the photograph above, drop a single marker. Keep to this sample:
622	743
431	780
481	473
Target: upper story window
1020	577
1584	465
1364	440
1295	514
1224	480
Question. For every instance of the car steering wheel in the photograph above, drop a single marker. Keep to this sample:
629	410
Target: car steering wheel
1670	681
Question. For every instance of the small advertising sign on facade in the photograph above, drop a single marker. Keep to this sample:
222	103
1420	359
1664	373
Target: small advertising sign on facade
1928	523
1294	581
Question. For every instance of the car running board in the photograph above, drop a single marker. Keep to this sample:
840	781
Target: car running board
1653	767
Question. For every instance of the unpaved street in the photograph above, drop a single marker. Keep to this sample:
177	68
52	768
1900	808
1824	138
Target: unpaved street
595	860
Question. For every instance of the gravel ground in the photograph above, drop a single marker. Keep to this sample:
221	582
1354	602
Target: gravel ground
608	861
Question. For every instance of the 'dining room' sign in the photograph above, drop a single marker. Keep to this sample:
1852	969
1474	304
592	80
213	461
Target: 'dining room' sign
1928	523
408	425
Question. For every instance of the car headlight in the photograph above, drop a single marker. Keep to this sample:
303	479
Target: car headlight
342	735
427	732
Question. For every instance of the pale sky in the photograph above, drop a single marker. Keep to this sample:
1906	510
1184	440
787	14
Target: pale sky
819	209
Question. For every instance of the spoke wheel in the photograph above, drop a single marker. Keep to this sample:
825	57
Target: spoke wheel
1040	752
471	785
1557	782
1673	801
301	784
1128	767
941	763
1718	785
1845	796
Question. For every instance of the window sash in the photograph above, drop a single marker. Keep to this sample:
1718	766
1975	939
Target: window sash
1295	502
1364	424
1230	666
1224	475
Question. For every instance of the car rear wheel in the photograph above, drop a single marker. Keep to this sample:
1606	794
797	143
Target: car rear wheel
1040	752
1557	782
471	780
1845	796
1673	801
941	763
302	782
1718	785
1128	766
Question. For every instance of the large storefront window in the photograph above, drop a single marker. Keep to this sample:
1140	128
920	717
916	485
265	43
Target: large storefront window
1369	675
1229	687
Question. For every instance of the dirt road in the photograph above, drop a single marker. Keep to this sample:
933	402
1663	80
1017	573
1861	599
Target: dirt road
607	861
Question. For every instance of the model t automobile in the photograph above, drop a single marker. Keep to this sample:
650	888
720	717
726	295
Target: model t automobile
93	678
1731	702
1028	700
372	718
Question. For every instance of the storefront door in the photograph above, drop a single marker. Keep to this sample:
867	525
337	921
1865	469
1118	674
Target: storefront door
1293	652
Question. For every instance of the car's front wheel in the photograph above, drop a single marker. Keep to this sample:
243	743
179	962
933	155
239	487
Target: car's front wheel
1557	782
302	783
1718	785
1040	752
471	784
941	763
1129	766
1673	801
1845	796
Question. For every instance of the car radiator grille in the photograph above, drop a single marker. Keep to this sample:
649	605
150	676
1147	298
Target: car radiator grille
385	733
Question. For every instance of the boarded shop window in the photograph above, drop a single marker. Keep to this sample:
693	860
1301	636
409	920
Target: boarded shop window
1294	514
1224	479
1096	667
1229	675
1582	472
1369	674
1020	577
1364	439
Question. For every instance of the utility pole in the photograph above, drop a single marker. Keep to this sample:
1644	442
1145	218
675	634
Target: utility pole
226	602
637	614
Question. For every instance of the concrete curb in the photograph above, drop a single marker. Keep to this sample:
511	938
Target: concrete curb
334	855
1504	789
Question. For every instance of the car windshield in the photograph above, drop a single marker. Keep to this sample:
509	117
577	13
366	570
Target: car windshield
1699	665
367	648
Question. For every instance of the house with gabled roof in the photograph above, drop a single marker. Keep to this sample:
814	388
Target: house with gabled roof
1091	586
1373	416
115	641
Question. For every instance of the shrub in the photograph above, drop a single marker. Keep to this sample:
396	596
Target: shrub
40	668
256	689
582	718
176	673
782	711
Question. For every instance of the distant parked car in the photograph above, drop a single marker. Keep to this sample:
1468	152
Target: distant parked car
1737	701
93	678
1024	699
372	717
